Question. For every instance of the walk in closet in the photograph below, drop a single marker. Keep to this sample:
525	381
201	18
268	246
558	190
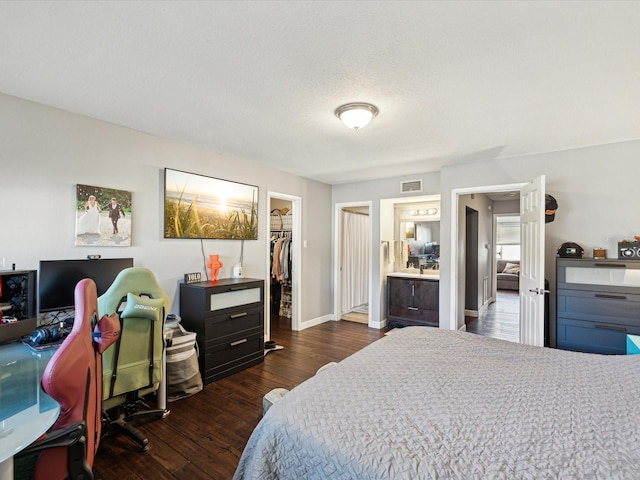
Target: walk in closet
281	254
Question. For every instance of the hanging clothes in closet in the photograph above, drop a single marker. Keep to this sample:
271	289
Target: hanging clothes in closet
281	273
281	258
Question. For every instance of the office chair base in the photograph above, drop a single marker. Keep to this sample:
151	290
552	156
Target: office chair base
120	419
133	433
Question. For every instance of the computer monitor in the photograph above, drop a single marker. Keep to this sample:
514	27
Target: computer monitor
58	279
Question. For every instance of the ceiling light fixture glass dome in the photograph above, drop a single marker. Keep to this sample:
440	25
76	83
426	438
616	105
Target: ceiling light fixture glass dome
356	115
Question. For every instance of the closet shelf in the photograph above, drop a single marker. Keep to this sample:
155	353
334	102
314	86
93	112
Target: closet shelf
281	222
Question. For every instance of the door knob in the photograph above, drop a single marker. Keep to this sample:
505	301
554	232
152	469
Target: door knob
539	291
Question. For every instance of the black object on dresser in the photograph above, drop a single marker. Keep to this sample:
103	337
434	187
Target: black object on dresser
228	318
598	303
413	301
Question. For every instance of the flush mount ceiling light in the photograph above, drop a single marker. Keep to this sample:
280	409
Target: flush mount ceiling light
356	115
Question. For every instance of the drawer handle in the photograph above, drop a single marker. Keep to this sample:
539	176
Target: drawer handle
413	308
615	297
611	265
238	315
238	342
611	327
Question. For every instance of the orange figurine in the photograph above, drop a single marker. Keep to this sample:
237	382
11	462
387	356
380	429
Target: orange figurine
214	264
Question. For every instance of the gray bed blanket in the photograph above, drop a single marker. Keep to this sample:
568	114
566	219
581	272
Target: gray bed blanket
425	403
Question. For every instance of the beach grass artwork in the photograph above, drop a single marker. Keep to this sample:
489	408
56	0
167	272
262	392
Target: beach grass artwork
198	206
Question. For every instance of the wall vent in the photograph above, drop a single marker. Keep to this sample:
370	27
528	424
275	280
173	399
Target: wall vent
411	186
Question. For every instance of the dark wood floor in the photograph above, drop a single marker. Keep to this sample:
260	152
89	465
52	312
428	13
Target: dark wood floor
204	435
501	319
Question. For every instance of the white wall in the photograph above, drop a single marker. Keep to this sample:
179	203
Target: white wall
480	203
375	191
506	206
595	188
45	152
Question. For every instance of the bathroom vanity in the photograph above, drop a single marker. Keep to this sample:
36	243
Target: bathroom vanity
413	299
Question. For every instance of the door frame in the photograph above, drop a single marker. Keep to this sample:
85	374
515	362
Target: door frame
338	233
453	258
296	264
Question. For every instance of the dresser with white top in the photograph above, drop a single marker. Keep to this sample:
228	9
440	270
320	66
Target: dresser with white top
598	303
227	316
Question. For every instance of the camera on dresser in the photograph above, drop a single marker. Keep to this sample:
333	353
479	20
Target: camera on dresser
629	250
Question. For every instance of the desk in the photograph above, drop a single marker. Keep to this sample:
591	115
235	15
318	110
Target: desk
26	411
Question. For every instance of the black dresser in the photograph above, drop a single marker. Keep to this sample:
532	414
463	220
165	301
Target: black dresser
228	318
598	303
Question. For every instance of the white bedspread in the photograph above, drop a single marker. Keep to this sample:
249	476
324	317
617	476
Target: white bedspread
425	403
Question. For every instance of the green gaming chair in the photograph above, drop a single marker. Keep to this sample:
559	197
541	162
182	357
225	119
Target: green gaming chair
133	367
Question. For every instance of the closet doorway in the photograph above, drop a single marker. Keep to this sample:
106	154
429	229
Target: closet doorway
353	282
283	269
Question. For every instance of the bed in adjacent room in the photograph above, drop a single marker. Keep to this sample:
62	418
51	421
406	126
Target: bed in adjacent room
425	403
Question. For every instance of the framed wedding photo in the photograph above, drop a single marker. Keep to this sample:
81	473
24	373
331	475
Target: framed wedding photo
103	217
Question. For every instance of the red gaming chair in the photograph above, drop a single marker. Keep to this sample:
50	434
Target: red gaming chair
73	377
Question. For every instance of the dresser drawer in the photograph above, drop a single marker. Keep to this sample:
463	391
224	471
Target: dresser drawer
207	299
596	337
615	276
412	316
598	306
230	326
229	357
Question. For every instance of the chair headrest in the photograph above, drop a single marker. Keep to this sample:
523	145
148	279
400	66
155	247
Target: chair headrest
106	332
137	280
143	307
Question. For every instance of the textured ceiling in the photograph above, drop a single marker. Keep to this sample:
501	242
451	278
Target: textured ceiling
454	81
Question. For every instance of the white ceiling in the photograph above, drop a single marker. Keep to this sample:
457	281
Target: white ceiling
454	81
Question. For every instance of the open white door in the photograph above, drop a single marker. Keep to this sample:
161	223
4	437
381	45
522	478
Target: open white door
532	205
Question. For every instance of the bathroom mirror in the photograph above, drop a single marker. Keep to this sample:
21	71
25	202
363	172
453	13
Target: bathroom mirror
425	232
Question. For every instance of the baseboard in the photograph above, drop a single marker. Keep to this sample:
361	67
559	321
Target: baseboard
463	327
328	318
315	321
470	313
379	325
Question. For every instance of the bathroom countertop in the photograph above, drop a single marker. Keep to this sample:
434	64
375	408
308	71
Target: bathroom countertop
426	276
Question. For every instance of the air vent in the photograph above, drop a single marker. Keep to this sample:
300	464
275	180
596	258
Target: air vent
411	186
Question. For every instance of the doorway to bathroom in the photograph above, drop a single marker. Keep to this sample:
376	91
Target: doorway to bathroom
353	282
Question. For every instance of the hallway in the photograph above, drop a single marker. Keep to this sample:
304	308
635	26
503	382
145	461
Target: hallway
501	319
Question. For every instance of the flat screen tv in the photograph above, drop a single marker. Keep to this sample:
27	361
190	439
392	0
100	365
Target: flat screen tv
58	279
197	206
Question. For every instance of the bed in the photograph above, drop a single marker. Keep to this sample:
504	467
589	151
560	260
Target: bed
426	403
